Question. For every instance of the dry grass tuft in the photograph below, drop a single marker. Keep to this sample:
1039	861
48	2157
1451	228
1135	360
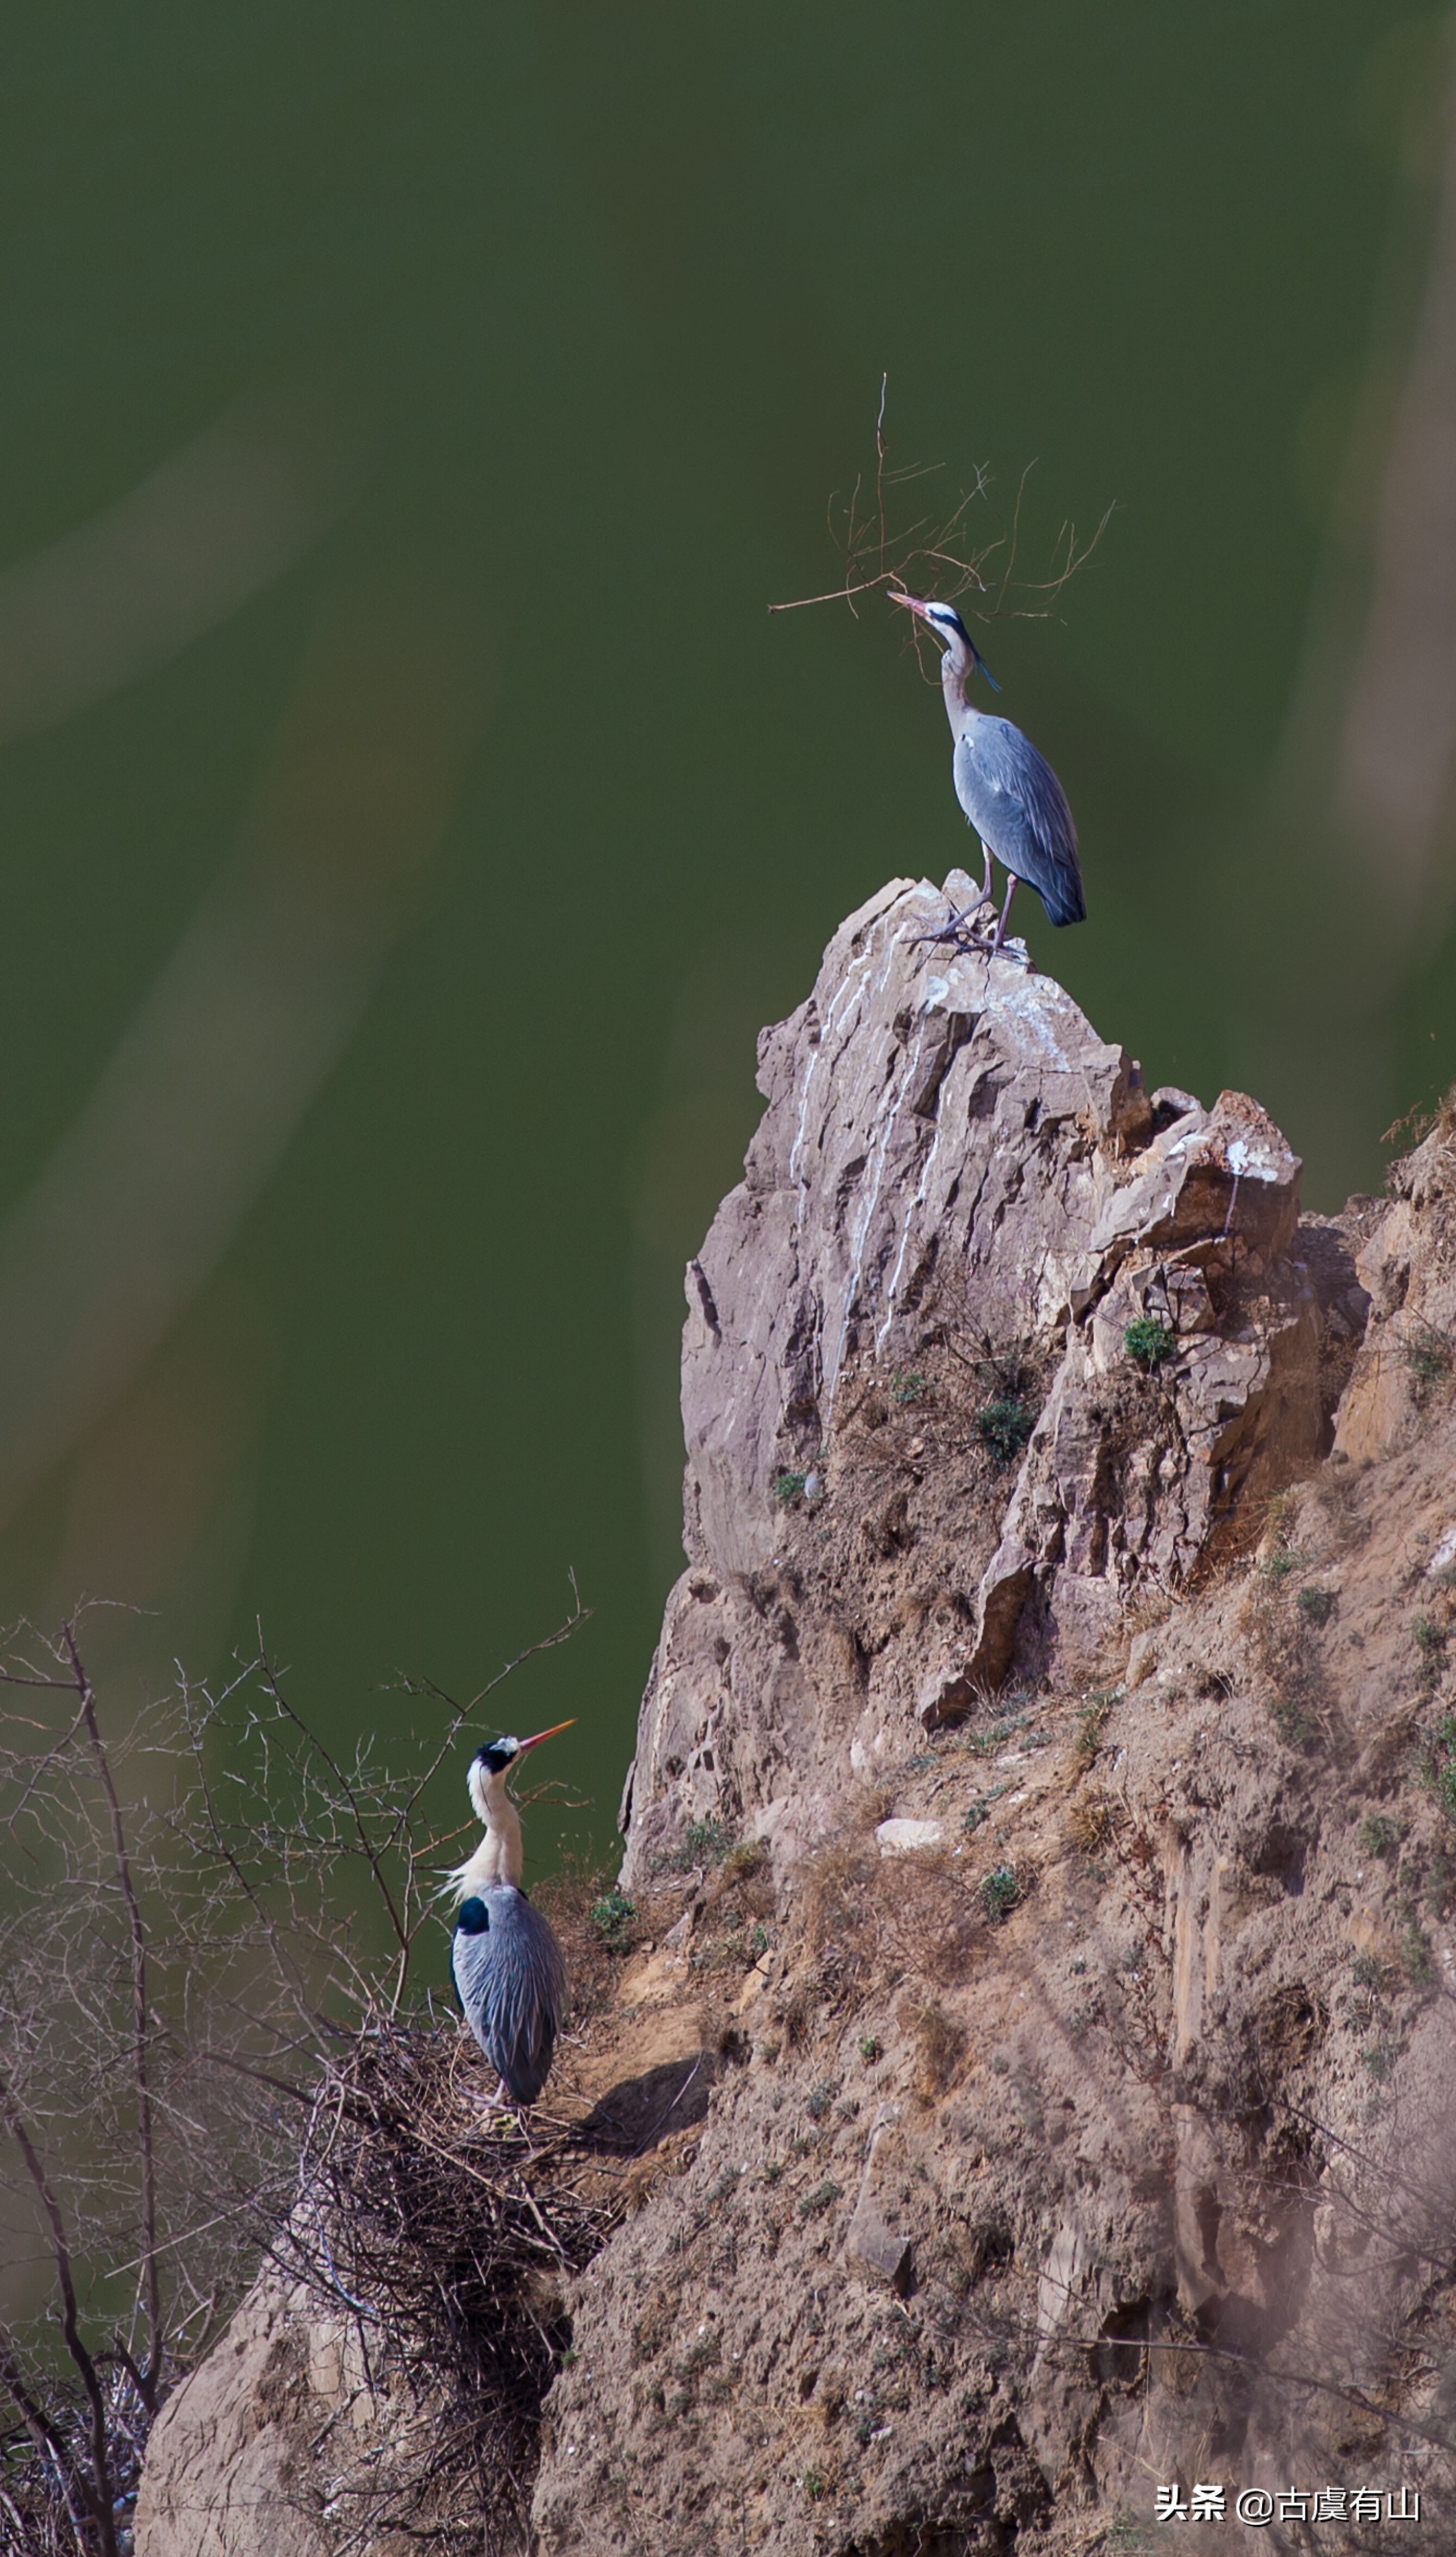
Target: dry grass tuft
1092	1819
941	2045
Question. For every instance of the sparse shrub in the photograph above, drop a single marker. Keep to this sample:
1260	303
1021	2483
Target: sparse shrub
1149	1342
612	1917
816	2484
868	2049
1379	2059
1293	1721
1430	1640
1092	1722
1428	1357
788	1486
982	1744
940	2047
1093	1820
705	1842
1438	1768
1003	1427
823	2097
1000	1889
823	2198
1368	1970
1380	1835
908	1388
1281	1564
1417	1957
1317	1604
976	1815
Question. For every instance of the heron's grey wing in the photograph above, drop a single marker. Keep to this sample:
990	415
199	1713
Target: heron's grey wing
1019	807
528	1994
470	1964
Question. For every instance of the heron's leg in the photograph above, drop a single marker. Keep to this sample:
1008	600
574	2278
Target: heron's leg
958	930
1000	930
985	896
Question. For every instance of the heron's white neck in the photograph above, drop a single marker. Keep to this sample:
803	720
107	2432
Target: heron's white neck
955	669
500	1857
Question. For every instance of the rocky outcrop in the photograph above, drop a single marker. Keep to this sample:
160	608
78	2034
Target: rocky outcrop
1041	2040
912	1317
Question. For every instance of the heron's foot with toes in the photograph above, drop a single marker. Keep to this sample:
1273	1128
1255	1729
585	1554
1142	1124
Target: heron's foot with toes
962	932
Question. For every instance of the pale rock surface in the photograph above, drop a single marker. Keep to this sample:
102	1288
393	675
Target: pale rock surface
951	1160
234	2466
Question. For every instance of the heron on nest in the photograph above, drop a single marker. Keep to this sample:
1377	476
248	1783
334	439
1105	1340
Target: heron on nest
1009	793
507	1965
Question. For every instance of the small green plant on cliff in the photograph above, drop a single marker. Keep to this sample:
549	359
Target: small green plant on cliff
1430	1640
1417	1957
705	1842
1380	1835
984	1743
1428	1358
908	1388
1317	1604
1149	1342
1003	1427
788	1487
1293	1721
612	1916
1438	1764
1283	1563
823	2198
1092	1722
1000	1890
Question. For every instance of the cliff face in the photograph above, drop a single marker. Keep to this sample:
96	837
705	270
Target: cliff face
1051	2088
958	1200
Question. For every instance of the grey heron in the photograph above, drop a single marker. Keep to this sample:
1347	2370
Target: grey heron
506	1963
1009	791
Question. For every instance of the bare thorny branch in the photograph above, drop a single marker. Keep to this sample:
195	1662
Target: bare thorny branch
190	1973
934	554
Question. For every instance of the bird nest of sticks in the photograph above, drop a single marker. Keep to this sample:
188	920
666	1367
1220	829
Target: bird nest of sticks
438	2238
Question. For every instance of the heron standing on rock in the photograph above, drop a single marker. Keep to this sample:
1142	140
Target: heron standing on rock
508	1972
1009	791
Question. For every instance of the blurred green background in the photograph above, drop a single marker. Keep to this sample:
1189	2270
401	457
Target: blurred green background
410	813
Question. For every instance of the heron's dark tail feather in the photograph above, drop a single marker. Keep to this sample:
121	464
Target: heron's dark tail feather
1064	901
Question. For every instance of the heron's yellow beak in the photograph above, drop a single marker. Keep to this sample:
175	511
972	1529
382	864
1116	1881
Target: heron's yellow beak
911	603
538	1738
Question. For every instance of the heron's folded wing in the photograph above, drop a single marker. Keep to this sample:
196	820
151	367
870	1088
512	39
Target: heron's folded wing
1019	807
